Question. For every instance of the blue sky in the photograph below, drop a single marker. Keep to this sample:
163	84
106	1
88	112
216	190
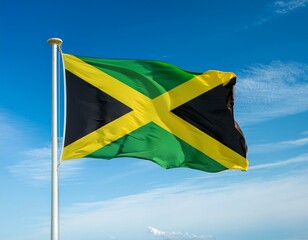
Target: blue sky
265	43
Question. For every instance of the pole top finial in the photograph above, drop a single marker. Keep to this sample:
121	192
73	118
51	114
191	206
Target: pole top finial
57	41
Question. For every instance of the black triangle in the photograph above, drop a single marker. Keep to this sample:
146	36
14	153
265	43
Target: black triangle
212	113
88	108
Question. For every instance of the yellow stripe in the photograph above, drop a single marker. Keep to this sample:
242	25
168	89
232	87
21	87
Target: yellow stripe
187	132
102	81
146	110
195	87
203	142
102	137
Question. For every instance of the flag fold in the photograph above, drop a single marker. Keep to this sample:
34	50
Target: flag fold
151	110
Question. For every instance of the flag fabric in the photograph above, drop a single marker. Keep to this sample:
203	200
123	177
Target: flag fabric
151	110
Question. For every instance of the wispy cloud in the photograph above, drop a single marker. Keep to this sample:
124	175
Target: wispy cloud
276	9
295	160
10	133
278	146
139	167
36	166
7	129
260	201
270	91
29	164
283	7
304	133
176	235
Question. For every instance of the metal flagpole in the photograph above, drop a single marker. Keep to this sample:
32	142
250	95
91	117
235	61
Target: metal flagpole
55	43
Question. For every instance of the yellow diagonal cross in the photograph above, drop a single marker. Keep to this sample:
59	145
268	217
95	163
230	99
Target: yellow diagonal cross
145	110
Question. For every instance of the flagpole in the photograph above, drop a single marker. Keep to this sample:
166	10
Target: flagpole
55	43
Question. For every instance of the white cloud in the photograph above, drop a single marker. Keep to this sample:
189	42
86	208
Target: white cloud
227	210
270	91
277	146
176	235
283	7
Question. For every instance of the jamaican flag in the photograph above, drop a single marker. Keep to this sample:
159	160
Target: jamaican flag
151	110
